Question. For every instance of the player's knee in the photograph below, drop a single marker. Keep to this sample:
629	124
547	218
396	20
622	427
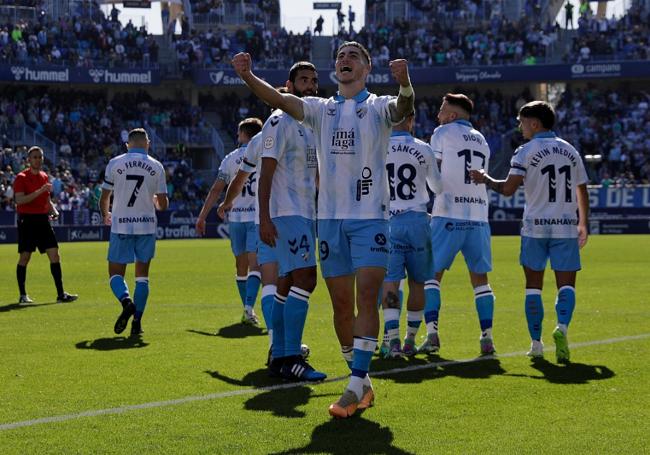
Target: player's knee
305	279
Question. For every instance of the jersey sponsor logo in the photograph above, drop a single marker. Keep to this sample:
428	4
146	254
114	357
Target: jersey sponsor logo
364	183
555	221
136	219
469	200
312	158
269	142
343	141
24	72
89	234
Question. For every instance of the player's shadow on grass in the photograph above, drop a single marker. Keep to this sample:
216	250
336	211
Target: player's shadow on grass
282	402
415	370
572	373
240	331
355	435
112	344
16	306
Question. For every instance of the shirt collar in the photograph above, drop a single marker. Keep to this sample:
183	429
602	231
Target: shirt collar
359	97
463	122
137	150
544	134
399	133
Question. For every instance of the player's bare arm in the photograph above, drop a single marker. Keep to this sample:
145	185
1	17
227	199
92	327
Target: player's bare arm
506	187
268	232
22	198
583	214
105	206
289	103
210	201
234	189
405	102
161	201
54	213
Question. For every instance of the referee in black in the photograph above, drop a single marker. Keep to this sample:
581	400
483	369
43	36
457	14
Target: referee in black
35	209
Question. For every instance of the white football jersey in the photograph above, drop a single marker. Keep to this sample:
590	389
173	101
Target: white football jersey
134	178
243	208
410	166
552	171
352	140
249	164
460	148
293	146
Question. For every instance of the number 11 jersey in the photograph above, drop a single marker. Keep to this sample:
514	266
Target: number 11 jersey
134	178
460	148
552	171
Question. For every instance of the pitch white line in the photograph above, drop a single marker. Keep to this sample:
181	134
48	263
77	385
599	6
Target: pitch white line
232	393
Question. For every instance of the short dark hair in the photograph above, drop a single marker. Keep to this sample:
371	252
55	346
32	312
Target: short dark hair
460	100
250	126
293	72
540	110
34	148
359	46
138	134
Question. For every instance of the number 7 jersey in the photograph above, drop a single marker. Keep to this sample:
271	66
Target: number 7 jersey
552	171
134	178
460	148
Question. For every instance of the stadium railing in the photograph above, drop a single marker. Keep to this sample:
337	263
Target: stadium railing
15	14
25	134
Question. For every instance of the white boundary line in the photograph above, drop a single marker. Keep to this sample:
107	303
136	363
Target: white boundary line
232	393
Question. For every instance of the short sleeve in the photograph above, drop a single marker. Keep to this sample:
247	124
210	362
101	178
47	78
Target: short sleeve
436	143
581	172
518	163
162	180
434	180
109	178
19	184
312	108
224	171
382	104
274	136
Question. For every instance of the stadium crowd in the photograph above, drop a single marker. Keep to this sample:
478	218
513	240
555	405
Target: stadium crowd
86	38
622	38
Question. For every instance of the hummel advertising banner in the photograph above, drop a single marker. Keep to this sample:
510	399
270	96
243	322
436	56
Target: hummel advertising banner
452	75
62	74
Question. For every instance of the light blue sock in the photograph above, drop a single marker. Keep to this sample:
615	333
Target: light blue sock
119	287
268	295
364	347
295	315
252	288
241	287
278	326
140	296
484	300
565	304
431	304
534	313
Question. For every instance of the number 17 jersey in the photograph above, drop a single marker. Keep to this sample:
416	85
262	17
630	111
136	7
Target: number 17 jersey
134	178
460	148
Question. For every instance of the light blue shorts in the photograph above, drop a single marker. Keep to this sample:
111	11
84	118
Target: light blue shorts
295	246
243	237
265	253
472	238
564	254
347	245
127	248
410	248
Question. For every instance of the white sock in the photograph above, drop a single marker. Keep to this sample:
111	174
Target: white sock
563	328
356	385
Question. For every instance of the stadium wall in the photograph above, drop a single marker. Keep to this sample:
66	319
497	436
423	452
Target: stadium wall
613	211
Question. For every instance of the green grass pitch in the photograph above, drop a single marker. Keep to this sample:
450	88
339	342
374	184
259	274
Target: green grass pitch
200	380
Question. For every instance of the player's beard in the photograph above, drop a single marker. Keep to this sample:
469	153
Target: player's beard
300	94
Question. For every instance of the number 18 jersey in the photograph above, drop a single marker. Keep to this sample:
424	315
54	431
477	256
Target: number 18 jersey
552	170
134	178
460	148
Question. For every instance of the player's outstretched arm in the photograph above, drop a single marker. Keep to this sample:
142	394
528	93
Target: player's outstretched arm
212	199
289	103
268	232
105	206
234	189
405	103
583	215
506	187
